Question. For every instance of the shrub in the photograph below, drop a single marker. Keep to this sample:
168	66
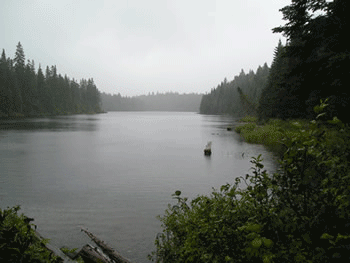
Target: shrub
299	214
18	242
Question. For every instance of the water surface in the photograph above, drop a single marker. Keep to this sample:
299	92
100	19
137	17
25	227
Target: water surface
114	173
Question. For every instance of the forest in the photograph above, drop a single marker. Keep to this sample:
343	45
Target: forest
301	212
170	101
233	97
27	92
314	64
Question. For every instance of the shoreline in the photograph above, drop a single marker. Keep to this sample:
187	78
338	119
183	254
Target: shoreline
18	116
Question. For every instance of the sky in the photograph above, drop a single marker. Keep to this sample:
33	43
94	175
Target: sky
136	47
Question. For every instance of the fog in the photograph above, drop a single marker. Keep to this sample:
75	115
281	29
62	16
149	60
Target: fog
136	47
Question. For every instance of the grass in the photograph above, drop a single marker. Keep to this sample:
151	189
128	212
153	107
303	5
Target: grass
271	133
249	119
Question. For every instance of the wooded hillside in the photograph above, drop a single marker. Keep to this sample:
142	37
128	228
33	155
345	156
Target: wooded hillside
27	92
314	64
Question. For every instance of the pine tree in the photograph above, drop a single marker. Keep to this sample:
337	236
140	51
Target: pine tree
275	93
25	92
19	67
29	89
19	59
41	92
5	85
319	57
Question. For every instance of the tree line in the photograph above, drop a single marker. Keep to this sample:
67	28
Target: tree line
27	92
301	212
170	101
314	64
232	97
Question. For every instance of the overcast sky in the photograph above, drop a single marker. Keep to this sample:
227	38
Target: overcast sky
134	47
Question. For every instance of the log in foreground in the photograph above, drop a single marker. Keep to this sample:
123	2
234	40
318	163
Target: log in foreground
113	255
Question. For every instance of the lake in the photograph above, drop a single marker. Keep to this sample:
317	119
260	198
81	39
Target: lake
114	173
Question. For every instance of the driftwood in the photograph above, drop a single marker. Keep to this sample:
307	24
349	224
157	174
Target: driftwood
91	255
110	252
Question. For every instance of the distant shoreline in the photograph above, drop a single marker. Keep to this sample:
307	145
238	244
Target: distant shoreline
18	116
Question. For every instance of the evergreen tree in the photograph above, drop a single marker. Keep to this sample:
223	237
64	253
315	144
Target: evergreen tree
248	106
19	67
319	57
5	92
226	99
25	92
274	94
19	59
42	92
29	90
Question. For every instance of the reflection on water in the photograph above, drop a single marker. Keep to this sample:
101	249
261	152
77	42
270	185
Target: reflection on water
114	173
60	123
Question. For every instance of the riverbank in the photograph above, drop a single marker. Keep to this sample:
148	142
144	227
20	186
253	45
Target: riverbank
270	217
271	133
20	242
19	116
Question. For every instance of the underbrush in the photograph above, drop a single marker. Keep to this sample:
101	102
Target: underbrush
299	214
18	241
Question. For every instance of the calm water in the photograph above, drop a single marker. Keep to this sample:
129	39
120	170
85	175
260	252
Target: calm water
114	173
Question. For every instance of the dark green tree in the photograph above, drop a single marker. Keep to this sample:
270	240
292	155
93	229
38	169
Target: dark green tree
19	60
29	89
27	93
319	58
19	68
225	98
5	86
248	106
275	93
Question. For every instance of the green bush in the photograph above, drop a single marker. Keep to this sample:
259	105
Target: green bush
18	242
299	214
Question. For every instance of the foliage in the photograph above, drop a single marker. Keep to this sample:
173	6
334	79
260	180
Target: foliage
18	242
313	64
271	133
72	251
248	118
226	98
299	214
249	107
273	97
23	92
318	58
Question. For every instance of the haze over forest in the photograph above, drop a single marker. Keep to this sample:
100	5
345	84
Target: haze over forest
152	102
298	106
138	47
302	72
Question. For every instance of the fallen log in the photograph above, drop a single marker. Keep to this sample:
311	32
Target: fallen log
91	254
109	251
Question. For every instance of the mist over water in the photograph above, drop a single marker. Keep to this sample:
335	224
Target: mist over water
114	173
